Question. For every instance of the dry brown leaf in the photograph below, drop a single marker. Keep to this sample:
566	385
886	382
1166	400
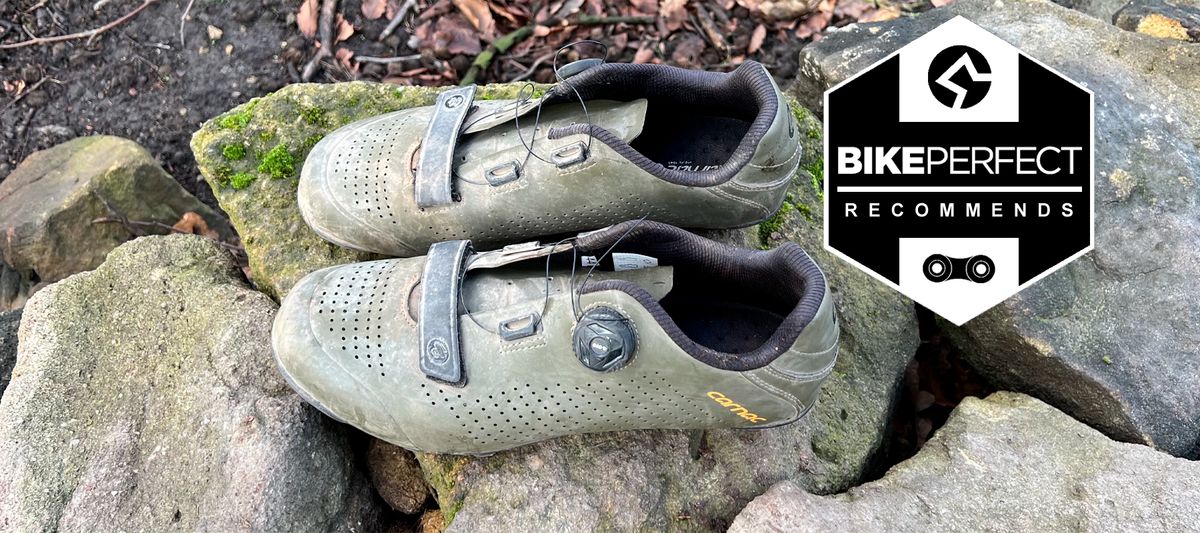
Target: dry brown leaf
393	6
618	42
645	7
344	29
854	9
506	14
191	222
568	8
817	21
479	15
643	55
674	13
15	87
344	57
306	18
541	31
756	39
881	14
373	9
453	35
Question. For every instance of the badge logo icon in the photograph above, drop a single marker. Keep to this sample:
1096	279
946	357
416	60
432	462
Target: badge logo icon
969	177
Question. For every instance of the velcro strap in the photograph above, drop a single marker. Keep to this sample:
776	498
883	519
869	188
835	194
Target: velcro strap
440	355
436	163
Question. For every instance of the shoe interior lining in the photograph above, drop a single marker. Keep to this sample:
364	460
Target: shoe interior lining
713	121
731	308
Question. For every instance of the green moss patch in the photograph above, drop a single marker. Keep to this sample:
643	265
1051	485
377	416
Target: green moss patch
315	116
239	118
775	223
241	180
234	152
278	163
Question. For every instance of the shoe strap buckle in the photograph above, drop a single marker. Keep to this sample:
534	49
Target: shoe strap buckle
434	170
441	358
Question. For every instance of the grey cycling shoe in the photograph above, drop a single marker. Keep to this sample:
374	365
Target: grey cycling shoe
471	353
612	143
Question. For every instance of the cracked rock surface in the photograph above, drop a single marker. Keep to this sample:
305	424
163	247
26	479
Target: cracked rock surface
1005	463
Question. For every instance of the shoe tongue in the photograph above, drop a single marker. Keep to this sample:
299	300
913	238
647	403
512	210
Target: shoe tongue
623	119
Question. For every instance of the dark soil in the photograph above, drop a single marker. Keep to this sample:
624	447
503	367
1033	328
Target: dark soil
138	81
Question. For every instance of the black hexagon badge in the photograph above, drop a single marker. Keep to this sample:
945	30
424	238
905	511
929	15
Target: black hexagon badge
966	178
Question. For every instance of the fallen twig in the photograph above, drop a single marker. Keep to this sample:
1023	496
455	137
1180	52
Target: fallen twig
504	43
710	30
592	20
28	90
183	21
325	31
83	34
386	60
499	46
396	20
533	67
137	227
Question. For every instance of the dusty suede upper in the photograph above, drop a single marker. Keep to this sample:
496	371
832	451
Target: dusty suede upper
356	187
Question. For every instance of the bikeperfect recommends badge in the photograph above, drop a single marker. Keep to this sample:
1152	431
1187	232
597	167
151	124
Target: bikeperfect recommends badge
958	170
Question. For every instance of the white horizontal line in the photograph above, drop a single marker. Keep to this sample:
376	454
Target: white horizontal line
960	189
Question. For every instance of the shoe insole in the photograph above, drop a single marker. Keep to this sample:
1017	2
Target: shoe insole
689	141
724	326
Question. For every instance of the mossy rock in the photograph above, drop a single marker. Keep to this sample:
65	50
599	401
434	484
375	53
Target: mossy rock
252	154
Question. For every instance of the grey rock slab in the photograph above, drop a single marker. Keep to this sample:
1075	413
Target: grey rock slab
49	206
1005	463
145	398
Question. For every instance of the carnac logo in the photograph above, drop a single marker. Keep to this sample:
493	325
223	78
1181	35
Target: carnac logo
735	408
974	177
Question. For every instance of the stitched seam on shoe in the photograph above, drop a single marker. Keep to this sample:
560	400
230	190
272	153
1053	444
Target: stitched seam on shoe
739	199
803	376
538	340
796	403
786	178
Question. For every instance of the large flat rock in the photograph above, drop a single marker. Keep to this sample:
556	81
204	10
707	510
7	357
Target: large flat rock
1112	338
145	399
1005	463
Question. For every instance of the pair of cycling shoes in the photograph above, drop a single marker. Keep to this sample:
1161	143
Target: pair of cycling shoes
637	325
